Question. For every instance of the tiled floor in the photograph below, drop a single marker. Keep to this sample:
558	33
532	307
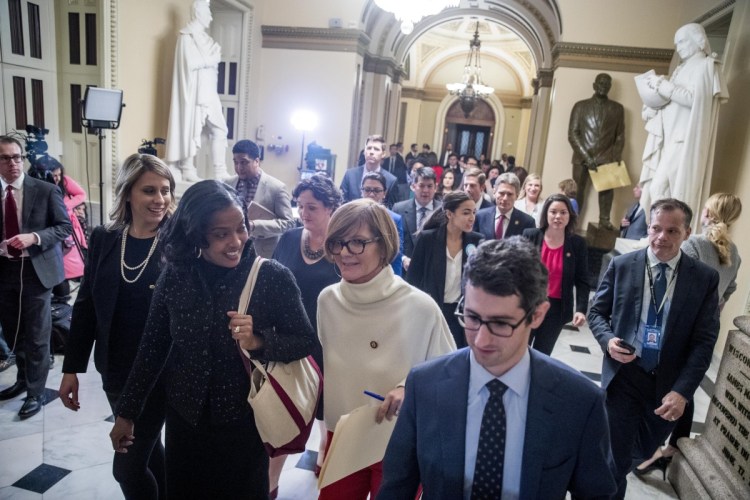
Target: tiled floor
59	454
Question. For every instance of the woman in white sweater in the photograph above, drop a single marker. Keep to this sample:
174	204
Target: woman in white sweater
373	326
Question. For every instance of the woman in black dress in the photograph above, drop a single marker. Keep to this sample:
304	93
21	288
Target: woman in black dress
301	250
192	334
111	309
442	247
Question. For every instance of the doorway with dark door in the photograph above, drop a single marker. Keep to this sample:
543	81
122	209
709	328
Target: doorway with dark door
473	135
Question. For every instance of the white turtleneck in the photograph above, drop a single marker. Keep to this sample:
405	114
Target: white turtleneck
372	335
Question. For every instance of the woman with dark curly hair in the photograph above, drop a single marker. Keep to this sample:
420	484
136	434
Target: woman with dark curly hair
565	256
192	334
301	250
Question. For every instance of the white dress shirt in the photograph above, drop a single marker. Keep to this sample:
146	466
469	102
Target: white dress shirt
671	279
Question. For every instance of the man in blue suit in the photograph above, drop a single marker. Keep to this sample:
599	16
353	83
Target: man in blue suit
351	185
553	418
513	221
633	225
668	313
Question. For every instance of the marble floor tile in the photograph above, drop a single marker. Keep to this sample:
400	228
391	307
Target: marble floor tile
20	455
90	483
13	493
79	447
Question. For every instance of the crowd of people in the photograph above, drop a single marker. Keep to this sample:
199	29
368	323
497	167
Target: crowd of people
381	280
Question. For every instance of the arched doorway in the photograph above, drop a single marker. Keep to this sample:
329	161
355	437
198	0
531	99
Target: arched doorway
473	135
537	26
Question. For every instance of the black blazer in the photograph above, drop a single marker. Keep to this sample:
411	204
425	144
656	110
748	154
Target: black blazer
638	228
427	269
575	271
95	304
519	222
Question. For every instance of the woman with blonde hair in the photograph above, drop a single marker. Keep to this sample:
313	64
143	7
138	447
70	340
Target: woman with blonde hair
715	248
109	314
373	327
531	200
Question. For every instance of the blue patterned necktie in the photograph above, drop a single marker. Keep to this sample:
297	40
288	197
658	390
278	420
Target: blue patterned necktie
488	470
650	357
422	216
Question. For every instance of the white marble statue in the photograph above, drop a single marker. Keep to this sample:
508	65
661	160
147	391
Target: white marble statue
195	102
678	157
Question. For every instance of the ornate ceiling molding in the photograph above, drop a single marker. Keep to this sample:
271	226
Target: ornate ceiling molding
719	9
327	39
611	57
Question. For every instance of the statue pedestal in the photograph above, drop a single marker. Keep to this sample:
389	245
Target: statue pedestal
603	239
716	464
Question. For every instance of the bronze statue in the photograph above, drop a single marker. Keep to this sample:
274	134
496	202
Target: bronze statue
597	135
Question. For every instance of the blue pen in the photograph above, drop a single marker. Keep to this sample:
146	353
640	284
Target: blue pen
376	396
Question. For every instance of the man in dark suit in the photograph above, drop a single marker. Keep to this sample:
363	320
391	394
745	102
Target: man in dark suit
633	226
33	225
413	152
458	406
668	312
487	222
351	185
473	185
446	155
414	213
396	166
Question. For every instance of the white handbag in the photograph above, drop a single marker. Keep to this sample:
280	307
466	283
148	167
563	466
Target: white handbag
283	396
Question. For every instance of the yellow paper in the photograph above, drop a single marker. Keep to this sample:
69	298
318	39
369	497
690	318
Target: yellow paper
358	442
610	176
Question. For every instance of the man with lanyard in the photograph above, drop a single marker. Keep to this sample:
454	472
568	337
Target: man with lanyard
656	318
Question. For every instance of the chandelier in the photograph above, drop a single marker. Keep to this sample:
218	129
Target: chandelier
471	89
409	12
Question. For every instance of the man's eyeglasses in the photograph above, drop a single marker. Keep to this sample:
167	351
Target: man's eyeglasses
355	247
372	190
12	159
496	327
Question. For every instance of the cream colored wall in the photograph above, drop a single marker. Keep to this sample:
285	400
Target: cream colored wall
319	81
639	23
523	136
570	86
511	135
312	14
411	124
147	37
427	121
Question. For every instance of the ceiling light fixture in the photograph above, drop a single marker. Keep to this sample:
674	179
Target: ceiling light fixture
471	89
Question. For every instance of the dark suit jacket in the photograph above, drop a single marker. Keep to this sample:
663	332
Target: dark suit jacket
351	185
691	328
399	168
519	221
95	304
44	213
486	204
407	209
566	444
638	228
427	269
575	271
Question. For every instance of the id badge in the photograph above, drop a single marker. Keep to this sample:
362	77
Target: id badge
651	337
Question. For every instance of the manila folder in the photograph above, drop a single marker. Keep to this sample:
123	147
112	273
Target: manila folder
256	211
610	176
358	442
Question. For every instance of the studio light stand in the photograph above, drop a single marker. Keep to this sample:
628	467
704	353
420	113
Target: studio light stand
102	109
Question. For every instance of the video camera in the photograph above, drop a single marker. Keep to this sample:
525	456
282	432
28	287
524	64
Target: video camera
36	153
149	147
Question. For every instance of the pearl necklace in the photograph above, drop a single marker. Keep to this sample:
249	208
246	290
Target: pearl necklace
142	265
309	253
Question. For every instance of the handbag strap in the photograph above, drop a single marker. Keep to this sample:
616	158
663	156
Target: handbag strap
247	292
